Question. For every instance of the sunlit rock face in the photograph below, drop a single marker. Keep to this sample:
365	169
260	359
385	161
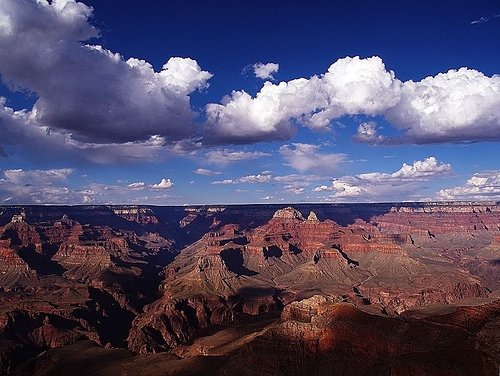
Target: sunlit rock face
254	283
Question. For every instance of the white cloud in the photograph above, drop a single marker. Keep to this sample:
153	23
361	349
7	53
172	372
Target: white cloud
37	177
18	186
294	190
260	178
206	172
243	119
295	183
351	86
322	188
389	186
294	178
367	133
358	86
225	156
460	105
225	181
86	92
265	71
152	149
484	19
420	170
137	186
106	108
163	184
264	177
307	157
480	186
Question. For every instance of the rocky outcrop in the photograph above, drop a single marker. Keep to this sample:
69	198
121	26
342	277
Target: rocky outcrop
318	335
168	324
13	269
434	220
21	234
263	268
289	232
312	216
136	214
288	213
81	256
113	279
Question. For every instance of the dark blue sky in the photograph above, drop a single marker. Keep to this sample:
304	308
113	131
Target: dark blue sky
415	39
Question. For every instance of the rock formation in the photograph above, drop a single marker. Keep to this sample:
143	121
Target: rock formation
254	285
13	269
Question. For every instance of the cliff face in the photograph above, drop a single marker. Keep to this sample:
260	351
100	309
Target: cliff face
61	281
72	256
136	214
291	233
318	335
343	278
433	220
13	269
21	235
379	267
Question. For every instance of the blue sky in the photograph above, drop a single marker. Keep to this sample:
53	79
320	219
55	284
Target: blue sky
173	103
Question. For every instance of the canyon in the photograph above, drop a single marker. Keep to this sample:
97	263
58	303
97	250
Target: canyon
348	289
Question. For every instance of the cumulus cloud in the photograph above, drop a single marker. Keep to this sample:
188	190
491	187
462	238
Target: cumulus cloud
459	105
391	186
265	71
480	186
52	186
264	177
106	108
351	86
293	183
19	186
296	178
260	178
368	133
225	181
87	92
40	177
226	156
137	185
163	184
296	183
322	188
206	172
307	157
294	190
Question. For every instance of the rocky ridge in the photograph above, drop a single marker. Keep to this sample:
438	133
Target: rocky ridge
111	279
256	271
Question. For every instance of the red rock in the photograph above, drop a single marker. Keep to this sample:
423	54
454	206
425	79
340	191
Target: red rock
13	269
22	234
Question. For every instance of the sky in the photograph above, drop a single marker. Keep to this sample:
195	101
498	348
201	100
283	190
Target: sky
226	102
